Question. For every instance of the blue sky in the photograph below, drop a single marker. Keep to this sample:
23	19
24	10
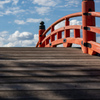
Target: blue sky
19	19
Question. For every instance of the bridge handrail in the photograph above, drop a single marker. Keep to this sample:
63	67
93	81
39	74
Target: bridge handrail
62	29
94	29
95	14
61	19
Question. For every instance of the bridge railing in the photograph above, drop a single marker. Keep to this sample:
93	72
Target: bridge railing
88	41
58	32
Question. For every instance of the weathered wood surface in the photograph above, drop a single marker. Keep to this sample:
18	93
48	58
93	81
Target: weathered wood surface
48	74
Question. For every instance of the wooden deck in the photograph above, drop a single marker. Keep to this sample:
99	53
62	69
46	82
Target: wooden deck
48	74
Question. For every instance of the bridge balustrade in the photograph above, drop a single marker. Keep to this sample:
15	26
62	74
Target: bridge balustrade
87	42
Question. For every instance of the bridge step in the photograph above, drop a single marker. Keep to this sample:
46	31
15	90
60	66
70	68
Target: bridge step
48	74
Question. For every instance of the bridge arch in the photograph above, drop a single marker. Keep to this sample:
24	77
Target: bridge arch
88	42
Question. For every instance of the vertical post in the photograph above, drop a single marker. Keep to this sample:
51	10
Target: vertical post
41	31
67	34
52	36
76	33
47	41
59	35
87	20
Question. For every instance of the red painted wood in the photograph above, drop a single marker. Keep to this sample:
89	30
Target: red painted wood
94	47
87	20
59	35
95	14
67	32
73	27
41	37
76	33
94	29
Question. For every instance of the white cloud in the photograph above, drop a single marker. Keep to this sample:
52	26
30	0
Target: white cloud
15	2
23	2
36	38
42	10
45	2
75	22
9	45
21	36
20	22
98	39
46	19
45	6
30	20
3	38
59	25
12	10
15	10
72	3
97	1
4	2
3	33
42	7
25	36
17	39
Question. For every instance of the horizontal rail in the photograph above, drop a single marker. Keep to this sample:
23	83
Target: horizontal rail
57	42
67	17
68	40
62	29
58	30
63	18
95	46
46	38
94	29
74	40
95	14
73	27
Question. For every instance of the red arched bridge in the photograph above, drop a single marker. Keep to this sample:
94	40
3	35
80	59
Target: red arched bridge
88	41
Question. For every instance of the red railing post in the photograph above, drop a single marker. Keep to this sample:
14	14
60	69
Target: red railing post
76	33
67	33
87	20
41	31
59	35
47	41
52	37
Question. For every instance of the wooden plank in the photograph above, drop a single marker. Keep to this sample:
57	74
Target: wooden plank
35	49
51	68
48	86
52	95
30	79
